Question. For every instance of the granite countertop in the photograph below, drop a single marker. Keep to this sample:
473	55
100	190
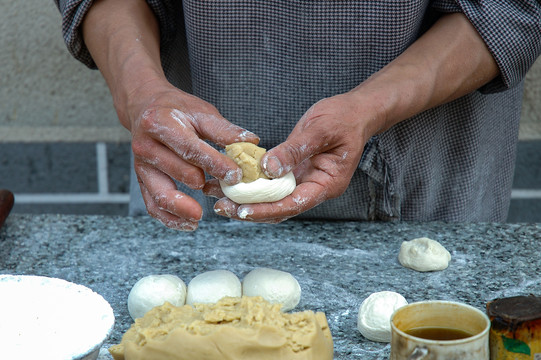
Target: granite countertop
338	264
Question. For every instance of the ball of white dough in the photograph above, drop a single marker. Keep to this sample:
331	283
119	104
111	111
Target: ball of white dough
374	319
154	290
275	286
424	254
211	286
260	190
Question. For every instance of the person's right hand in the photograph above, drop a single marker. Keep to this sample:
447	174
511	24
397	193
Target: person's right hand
169	128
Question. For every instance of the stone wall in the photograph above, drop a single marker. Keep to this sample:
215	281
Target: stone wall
46	95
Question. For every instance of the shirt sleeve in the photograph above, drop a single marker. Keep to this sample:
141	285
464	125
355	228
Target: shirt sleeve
74	11
511	30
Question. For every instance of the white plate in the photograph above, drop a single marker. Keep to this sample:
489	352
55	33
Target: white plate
49	318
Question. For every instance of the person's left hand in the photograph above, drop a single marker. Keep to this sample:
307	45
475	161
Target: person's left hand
323	150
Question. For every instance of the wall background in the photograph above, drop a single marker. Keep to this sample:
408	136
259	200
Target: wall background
51	104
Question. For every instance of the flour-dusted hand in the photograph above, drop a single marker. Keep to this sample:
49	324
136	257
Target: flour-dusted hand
325	147
323	151
169	127
168	143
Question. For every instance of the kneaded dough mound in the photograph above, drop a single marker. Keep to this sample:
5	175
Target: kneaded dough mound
275	286
255	187
247	328
154	290
424	254
374	319
211	286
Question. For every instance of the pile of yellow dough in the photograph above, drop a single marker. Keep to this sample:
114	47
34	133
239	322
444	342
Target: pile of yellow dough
247	328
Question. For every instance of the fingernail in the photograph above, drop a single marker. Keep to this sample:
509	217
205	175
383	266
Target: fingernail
243	136
226	209
196	220
244	211
272	167
233	176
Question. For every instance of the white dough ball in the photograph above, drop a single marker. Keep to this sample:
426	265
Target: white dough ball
275	286
154	290
260	190
424	254
211	286
374	319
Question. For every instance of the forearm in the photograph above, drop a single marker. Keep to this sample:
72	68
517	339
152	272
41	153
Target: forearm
123	38
447	62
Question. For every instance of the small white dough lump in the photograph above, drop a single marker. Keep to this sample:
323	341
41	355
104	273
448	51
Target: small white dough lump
374	319
154	290
275	286
424	254
260	190
211	286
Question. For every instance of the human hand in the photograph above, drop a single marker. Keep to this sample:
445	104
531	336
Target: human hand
168	129
323	151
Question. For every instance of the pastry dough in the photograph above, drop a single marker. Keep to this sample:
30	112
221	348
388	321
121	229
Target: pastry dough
255	186
211	286
275	286
424	254
261	190
154	290
374	319
234	328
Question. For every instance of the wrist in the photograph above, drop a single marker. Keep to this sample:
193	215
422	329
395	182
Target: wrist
133	88
123	39
397	92
386	98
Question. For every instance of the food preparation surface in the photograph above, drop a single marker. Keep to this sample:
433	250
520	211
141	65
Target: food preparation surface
338	264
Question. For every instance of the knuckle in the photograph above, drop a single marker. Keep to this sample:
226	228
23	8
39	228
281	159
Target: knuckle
337	190
161	202
294	152
147	121
140	148
189	154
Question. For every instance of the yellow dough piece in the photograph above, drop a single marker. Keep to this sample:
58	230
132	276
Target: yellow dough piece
255	187
248	157
247	328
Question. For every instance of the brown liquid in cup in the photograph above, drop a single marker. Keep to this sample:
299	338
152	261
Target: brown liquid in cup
438	333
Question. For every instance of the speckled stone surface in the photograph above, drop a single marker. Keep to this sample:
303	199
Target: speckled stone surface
338	264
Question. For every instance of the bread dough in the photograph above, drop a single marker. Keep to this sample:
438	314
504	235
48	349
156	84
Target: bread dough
374	319
211	286
154	290
424	254
255	187
247	328
261	190
275	286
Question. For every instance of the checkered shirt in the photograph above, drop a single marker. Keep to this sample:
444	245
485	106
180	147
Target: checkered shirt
264	63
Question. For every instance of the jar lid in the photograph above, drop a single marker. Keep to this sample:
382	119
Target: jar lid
516	309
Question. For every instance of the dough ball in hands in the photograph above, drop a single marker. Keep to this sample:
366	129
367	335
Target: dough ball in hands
255	187
424	254
374	319
275	286
211	286
154	290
